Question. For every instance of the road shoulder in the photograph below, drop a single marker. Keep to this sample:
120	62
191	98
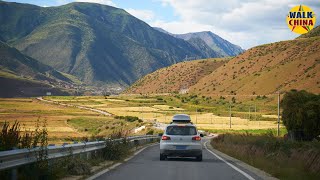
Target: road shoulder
98	174
256	171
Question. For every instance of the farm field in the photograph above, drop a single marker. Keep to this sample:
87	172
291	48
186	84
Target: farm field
161	109
63	123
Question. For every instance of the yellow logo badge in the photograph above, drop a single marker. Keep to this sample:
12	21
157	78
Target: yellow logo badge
301	19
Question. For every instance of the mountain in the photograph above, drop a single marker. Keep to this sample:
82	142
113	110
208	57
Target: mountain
99	44
220	46
21	75
267	69
215	42
261	70
175	78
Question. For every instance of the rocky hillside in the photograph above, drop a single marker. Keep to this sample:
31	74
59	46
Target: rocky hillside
175	78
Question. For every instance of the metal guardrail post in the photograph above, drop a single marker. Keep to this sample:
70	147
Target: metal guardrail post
14	174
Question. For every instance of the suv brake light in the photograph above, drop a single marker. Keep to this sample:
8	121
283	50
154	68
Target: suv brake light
165	138
196	138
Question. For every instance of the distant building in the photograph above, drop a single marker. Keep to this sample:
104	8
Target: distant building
48	93
183	91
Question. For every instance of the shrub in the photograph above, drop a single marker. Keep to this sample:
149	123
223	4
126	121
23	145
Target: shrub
128	118
150	132
10	136
115	149
301	114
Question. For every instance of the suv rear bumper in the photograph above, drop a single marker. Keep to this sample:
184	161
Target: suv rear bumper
181	153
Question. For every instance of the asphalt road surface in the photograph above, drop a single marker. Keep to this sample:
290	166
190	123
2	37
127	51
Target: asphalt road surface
146	165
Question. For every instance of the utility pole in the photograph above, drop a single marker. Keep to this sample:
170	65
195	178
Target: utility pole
142	112
255	111
196	115
165	118
230	115
278	132
249	112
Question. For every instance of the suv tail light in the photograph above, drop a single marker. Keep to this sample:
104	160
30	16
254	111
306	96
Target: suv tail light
196	138
165	138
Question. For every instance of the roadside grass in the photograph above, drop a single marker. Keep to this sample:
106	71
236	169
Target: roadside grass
281	158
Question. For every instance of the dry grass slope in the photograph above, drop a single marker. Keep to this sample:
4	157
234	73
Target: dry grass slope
178	76
267	69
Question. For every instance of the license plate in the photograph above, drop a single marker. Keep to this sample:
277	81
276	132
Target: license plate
181	147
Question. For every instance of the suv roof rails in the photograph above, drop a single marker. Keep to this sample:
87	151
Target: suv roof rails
181	119
181	122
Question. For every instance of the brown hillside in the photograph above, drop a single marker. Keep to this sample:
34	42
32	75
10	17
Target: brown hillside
176	77
267	69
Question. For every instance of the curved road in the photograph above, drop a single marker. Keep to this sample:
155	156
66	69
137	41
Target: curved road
146	165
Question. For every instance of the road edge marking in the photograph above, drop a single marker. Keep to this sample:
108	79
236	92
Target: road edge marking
231	165
118	164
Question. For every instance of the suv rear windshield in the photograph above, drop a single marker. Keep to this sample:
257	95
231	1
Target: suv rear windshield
181	130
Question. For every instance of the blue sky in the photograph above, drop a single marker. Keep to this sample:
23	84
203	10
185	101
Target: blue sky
246	23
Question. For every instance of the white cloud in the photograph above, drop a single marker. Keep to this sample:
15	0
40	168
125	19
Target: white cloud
145	15
244	22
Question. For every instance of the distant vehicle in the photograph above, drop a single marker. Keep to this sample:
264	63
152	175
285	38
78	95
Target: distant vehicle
181	139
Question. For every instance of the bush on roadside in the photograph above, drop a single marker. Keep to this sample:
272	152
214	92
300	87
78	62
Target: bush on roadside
11	137
301	114
117	146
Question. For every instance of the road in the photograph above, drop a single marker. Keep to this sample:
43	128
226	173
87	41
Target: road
146	165
77	106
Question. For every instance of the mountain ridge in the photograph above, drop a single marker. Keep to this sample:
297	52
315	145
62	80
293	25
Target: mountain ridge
262	70
99	44
219	45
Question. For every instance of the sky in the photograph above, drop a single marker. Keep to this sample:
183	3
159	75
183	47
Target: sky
246	23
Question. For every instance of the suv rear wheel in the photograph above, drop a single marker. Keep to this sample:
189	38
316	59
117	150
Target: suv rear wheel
162	157
199	158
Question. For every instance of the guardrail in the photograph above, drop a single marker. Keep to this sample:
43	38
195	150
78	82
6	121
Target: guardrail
19	157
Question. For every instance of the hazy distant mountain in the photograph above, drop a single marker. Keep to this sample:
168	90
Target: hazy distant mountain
220	46
215	42
97	43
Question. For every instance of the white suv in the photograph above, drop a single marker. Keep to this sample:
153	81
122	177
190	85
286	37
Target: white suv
181	138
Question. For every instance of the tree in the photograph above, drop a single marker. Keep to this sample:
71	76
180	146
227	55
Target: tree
301	114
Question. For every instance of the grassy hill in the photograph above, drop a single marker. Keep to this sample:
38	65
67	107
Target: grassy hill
266	69
176	77
21	75
15	62
97	43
